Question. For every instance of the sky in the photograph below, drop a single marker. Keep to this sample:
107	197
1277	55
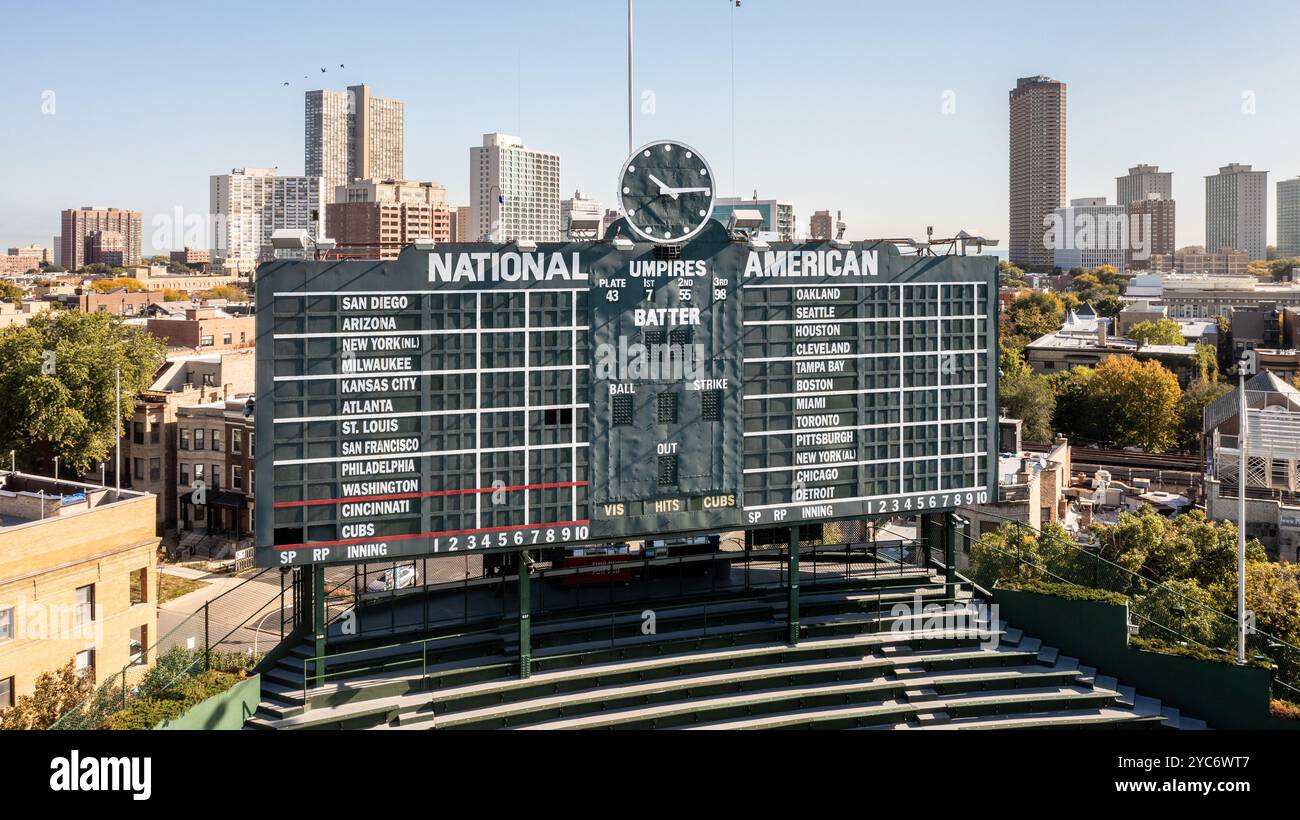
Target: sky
893	113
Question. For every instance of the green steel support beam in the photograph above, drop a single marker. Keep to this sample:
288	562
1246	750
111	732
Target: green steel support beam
792	612
525	616
952	529
318	618
924	534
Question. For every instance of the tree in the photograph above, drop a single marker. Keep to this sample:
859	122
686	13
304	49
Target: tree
1009	275
9	292
1027	396
57	376
1159	332
173	295
229	292
1136	403
1191	408
1036	313
55	694
1074	415
132	284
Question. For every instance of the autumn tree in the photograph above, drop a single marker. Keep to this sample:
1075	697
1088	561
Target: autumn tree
1191	409
57	384
54	694
1159	332
132	284
9	292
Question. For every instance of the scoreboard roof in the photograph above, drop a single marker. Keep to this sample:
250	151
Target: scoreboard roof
484	397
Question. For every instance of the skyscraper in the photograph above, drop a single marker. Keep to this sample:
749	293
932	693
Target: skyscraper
110	230
1141	181
514	190
248	204
1151	229
1288	217
1037	184
353	135
1236	208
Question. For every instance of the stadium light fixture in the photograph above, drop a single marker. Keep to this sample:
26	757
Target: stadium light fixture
425	243
841	244
290	239
756	244
622	243
526	245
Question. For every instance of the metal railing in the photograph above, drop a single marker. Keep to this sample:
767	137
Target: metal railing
230	631
1160	610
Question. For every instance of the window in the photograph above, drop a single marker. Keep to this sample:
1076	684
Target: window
155	431
139	642
227	339
216	441
137	432
6	624
155	469
85	604
236	477
138	589
199	439
215	476
206	341
250	482
139	468
251	440
185	475
185	438
7	692
198	472
86	662
236	442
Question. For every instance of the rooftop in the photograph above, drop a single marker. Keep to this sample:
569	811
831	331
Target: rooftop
27	498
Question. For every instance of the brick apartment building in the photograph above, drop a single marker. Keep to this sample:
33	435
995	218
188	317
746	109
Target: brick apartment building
82	236
149	446
119	301
214	445
78	574
204	328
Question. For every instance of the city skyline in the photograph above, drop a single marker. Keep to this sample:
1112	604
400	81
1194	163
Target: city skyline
855	149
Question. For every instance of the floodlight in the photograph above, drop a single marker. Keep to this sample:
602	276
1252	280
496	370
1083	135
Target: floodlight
841	244
290	239
759	245
584	223
744	219
526	245
424	243
622	243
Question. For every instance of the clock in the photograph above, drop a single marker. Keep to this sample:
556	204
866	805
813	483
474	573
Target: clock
666	189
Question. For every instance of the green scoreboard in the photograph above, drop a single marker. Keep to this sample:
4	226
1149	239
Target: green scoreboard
490	396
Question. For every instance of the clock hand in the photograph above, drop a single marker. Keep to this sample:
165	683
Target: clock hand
676	191
663	189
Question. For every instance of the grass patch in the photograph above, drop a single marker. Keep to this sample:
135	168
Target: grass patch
171	587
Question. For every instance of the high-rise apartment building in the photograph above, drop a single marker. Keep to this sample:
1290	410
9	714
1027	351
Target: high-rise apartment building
1151	229
351	135
1037	183
249	204
821	226
1236	208
585	208
514	190
462	224
83	229
1088	233
1141	182
1288	217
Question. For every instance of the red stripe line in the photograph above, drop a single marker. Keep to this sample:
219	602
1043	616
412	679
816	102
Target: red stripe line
395	496
311	544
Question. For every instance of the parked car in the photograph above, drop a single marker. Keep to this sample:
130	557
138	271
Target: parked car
398	577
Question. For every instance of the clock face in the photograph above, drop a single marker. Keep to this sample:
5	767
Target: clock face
666	189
